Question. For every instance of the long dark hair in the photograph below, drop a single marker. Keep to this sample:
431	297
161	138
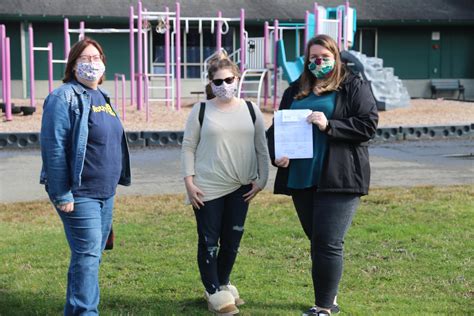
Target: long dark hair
220	61
75	52
308	81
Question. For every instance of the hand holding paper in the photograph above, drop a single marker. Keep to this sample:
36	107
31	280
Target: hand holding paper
293	134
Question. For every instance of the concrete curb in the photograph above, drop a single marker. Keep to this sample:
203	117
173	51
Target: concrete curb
175	138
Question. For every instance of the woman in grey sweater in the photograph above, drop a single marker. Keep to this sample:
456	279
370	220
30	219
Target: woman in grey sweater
225	164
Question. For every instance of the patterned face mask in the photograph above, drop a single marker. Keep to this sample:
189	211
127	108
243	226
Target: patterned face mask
225	91
320	67
90	71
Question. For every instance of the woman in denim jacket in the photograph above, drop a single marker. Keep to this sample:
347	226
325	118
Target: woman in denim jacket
85	155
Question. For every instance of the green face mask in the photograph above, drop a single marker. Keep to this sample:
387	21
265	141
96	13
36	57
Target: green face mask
320	67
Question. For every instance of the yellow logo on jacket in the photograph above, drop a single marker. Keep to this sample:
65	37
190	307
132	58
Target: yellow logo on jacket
103	108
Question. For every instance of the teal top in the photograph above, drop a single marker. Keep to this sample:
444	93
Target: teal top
305	173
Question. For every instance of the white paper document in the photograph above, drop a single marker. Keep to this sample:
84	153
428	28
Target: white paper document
293	134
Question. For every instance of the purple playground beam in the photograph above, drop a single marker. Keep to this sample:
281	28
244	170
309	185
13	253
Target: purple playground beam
67	41
123	97
346	26
315	13
178	56
167	58
8	102
140	57
275	64
2	54
243	46
219	32
265	63
32	66
306	26
339	29
132	55
82	25
50	67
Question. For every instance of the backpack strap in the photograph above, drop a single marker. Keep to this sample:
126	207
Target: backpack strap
252	111
202	109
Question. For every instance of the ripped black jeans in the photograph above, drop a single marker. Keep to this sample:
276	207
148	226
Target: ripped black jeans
220	226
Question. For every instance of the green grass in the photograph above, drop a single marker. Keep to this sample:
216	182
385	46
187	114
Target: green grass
409	251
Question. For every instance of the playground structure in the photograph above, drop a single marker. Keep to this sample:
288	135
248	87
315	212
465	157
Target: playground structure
6	73
340	24
263	61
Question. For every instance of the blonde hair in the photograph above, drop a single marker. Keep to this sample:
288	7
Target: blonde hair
218	62
332	83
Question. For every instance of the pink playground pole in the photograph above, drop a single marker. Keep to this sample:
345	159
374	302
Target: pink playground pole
140	60
167	58
8	101
219	32
2	53
346	26
275	64
306	26
243	46
315	12
132	54
339	29
178	56
147	105
123	97
32	66
265	63
145	46
67	43
116	90
50	67
81	30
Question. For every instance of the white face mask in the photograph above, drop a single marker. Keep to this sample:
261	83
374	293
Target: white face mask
225	91
90	71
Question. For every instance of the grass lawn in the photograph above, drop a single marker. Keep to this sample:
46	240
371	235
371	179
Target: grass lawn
408	252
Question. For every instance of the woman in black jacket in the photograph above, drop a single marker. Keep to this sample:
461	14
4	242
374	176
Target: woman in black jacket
326	189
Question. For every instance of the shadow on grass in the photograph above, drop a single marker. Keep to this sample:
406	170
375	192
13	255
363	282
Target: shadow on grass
27	303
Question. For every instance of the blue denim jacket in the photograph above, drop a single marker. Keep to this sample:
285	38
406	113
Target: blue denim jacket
64	133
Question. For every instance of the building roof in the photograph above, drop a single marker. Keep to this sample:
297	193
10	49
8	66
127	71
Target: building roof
289	10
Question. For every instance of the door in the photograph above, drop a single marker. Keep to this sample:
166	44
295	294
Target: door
435	55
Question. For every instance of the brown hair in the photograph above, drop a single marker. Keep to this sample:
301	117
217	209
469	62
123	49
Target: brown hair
220	61
308	81
75	52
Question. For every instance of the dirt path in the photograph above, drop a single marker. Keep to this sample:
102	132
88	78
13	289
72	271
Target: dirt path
420	112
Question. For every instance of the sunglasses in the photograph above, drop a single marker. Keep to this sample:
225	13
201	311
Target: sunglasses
228	80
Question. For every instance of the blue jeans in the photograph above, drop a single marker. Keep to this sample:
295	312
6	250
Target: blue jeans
87	229
220	222
325	218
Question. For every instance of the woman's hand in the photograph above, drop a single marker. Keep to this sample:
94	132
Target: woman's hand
66	208
318	119
283	162
252	193
194	193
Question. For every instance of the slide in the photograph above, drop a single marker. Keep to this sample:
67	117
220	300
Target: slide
388	89
291	69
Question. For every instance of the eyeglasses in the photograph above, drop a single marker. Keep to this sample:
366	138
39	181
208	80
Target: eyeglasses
93	58
228	80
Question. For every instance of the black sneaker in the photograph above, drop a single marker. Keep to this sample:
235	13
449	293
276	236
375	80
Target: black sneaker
335	309
313	312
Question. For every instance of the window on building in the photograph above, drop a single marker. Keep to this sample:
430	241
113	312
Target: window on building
366	41
195	49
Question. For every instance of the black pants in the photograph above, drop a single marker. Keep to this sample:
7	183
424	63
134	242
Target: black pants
220	222
325	218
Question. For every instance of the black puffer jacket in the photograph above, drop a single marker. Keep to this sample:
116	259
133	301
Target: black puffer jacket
346	166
